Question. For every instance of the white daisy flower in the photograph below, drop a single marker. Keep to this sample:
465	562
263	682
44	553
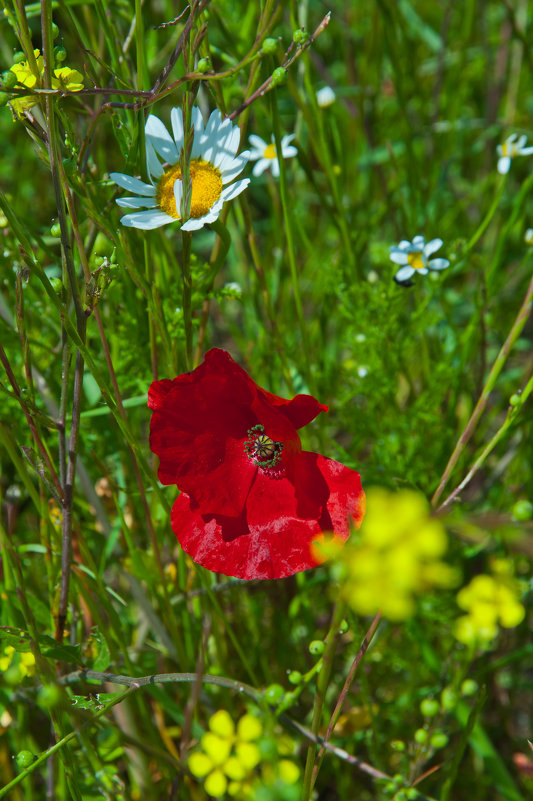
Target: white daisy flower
266	155
214	164
510	149
413	257
325	97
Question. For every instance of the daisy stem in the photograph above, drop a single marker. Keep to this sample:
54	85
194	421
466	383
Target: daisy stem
290	239
332	638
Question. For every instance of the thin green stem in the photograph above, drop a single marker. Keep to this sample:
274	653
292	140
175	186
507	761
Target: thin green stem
332	639
287	218
496	369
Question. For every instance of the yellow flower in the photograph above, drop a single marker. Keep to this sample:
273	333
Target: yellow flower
228	754
395	555
63	78
490	602
26	661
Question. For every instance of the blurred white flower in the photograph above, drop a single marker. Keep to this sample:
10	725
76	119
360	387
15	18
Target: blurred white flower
214	164
528	236
511	148
362	371
413	257
325	97
266	155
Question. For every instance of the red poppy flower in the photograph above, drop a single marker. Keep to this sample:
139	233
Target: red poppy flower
251	500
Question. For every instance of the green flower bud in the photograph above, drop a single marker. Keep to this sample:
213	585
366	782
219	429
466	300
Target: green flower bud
24	759
55	230
274	694
469	687
448	699
55	31
279	76
343	628
397	745
295	677
411	794
9	79
60	54
3	99
438	740
300	36
316	647
522	510
19	57
420	736
429	707
270	46
102	245
49	697
203	65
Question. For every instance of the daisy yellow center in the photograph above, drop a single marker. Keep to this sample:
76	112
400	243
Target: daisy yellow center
270	152
206	188
508	149
415	260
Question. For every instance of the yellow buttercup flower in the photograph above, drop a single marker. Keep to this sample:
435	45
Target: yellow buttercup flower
26	661
62	78
228	754
490	601
394	556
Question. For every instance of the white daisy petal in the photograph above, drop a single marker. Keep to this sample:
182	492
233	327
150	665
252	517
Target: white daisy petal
260	167
423	271
176	120
404	273
526	151
286	140
503	165
197	122
146	220
432	246
438	264
418	242
275	168
193	224
405	245
178	194
289	151
132	184
257	143
521	142
397	256
230	169
160	138
234	189
137	202
155	170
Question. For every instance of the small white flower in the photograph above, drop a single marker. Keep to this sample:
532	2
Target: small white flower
266	155
362	371
510	149
413	257
325	97
214	164
528	236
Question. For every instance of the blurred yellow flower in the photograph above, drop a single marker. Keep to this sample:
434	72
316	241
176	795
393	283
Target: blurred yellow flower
228	754
394	556
490	602
26	661
63	78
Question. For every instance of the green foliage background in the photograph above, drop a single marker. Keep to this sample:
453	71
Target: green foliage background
424	93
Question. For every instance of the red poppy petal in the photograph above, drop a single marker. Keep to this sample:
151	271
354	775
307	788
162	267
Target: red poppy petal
271	540
300	410
199	426
346	500
221	546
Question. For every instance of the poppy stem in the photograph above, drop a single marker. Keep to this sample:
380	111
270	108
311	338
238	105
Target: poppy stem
331	641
